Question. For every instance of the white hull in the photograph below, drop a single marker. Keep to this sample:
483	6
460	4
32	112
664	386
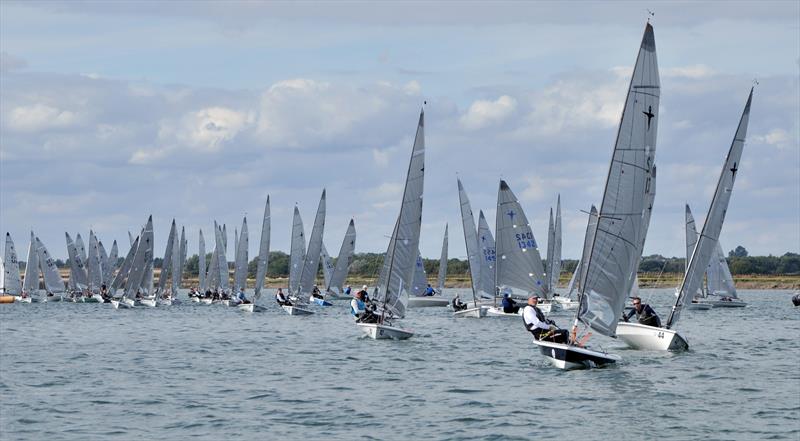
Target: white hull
318	301
698	306
195	299
148	302
650	338
427	302
376	331
22	299
471	312
206	301
247	307
732	303
295	310
564	304
53	298
122	304
496	311
569	357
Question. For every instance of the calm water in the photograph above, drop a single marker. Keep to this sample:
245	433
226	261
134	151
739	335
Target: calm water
87	371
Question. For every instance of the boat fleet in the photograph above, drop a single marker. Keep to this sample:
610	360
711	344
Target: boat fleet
504	262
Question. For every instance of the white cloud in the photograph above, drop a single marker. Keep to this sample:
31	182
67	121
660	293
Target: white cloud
695	72
380	157
778	138
483	113
208	129
37	117
412	88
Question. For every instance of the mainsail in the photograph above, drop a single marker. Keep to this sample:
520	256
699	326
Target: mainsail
311	261
297	253
12	283
221	265
94	268
343	261
201	263
718	275
327	265
240	265
420	281
488	250
176	265
610	266
398	265
474	255
554	249
78	278
519	270
52	279
124	270
709	235
30	284
442	263
166	264
263	251
111	264
142	259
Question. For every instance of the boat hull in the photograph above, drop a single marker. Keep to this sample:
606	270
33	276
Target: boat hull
206	301
23	299
7	299
296	310
733	303
698	306
569	357
471	313
320	302
148	302
247	307
427	302
651	338
495	311
377	331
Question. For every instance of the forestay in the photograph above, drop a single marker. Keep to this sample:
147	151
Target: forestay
398	264
615	251
240	268
124	270
709	235
519	270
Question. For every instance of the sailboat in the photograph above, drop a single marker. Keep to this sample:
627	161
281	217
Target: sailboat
335	284
52	278
78	280
554	260
94	271
391	292
667	338
262	262
124	271
296	261
308	275
720	290
518	270
420	282
137	285
30	285
239	265
11	283
488	249
474	256
612	245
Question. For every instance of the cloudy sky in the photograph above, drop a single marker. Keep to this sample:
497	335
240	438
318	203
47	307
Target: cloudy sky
110	111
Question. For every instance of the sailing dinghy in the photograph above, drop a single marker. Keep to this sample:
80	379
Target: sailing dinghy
391	292
296	261
612	245
420	281
11	283
474	256
335	289
667	338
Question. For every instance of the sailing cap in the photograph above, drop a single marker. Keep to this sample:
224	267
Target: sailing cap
364	287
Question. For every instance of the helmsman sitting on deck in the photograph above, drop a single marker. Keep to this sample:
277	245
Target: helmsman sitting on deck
644	313
509	305
539	326
360	311
281	298
458	305
242	296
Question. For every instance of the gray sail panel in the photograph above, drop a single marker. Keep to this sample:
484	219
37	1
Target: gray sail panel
81	248
588	240
404	244
166	264
77	268
555	268
94	269
30	284
571	286
111	264
212	274
487	286
709	235
175	265
182	262
222	262
442	263
520	272
474	254
137	276
12	282
240	270
551	243
420	281
225	238
327	266
52	278
130	238
297	254
124	270
344	260
201	263
311	262
691	235
611	266
721	283
263	251
103	262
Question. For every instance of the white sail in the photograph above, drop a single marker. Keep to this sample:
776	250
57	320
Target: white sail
93	265
222	261
554	250
709	235
31	282
616	248
344	260
78	277
297	254
122	275
142	259
212	274
327	265
103	262
166	264
52	278
442	263
201	263
111	264
719	277
474	254
240	266
311	262
263	251
81	248
519	269
488	249
420	281
12	282
175	265
398	265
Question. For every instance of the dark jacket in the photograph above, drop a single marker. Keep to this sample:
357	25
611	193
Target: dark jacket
647	316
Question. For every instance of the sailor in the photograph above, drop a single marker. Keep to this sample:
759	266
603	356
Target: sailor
429	290
539	326
281	298
357	306
364	293
242	297
348	291
509	305
458	305
315	292
644	313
